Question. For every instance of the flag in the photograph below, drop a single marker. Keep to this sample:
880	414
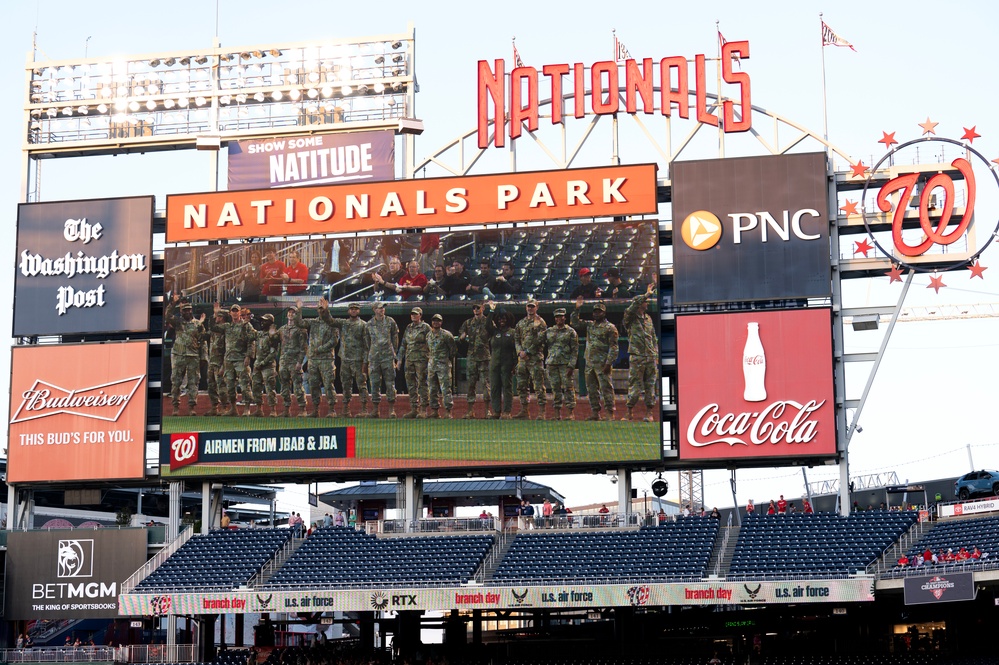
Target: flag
830	38
517	62
721	44
621	51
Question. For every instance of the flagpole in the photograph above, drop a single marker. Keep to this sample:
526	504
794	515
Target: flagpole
718	101
825	112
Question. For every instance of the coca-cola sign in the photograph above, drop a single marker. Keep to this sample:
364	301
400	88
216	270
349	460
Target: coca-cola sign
756	385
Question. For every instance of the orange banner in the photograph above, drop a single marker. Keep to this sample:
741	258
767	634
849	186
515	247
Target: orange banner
77	412
401	204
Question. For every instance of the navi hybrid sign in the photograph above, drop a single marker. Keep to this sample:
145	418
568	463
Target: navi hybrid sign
751	228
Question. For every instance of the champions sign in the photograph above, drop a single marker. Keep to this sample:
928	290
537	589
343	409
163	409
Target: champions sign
77	412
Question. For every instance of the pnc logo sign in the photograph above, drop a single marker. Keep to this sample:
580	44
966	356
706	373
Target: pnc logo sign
701	230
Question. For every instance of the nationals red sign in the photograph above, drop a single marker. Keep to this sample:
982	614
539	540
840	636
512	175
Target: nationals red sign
756	385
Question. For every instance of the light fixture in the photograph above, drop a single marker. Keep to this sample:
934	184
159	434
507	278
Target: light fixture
35	124
201	59
133	106
294	94
313	93
225	99
102	108
67	111
244	55
200	101
397	58
866	322
276	95
150	105
183	102
225	57
83	110
185	61
346	90
380	59
379	88
120	105
327	91
659	486
241	98
258	54
362	89
168	103
396	44
274	53
170	62
259	96
155	62
153	89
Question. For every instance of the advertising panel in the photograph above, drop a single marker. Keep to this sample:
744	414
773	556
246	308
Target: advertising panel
404	204
942	588
293	161
552	596
77	412
83	266
979	507
70	574
751	228
756	385
283	346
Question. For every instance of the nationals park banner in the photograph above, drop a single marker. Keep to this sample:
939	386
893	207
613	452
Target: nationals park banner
402	204
854	589
294	161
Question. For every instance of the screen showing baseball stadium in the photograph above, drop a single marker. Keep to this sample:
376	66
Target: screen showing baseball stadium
526	347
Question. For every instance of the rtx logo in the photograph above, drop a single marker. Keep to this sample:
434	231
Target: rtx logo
703	230
75	558
403	599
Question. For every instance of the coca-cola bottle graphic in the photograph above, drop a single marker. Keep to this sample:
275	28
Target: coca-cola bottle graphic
754	365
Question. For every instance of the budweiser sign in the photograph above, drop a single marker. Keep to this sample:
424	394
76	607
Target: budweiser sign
779	422
105	401
756	385
77	412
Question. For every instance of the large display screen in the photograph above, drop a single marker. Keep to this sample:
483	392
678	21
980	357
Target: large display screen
77	412
561	318
83	266
756	386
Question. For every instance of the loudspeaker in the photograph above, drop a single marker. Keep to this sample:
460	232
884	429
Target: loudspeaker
660	487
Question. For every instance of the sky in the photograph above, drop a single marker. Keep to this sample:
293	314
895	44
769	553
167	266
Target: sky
929	414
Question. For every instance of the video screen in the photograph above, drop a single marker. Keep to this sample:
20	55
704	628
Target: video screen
524	347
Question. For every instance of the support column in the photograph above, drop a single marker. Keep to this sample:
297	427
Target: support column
174	514
206	635
171	638
366	626
11	508
477	628
623	495
413	509
239	639
206	506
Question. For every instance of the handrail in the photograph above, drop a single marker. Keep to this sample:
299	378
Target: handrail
150	566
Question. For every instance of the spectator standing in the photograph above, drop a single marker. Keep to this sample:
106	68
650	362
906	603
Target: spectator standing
781	505
772	508
750	508
615	287
587	288
413	282
546	513
806	507
505	283
297	275
481	282
251	284
272	274
456	281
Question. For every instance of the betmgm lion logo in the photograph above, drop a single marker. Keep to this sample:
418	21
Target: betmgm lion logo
75	558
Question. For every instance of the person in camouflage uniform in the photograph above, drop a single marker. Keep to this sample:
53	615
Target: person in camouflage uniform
443	350
415	354
563	349
473	331
185	356
238	336
382	336
529	334
265	353
502	361
294	341
601	351
322	370
643	355
353	352
216	375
